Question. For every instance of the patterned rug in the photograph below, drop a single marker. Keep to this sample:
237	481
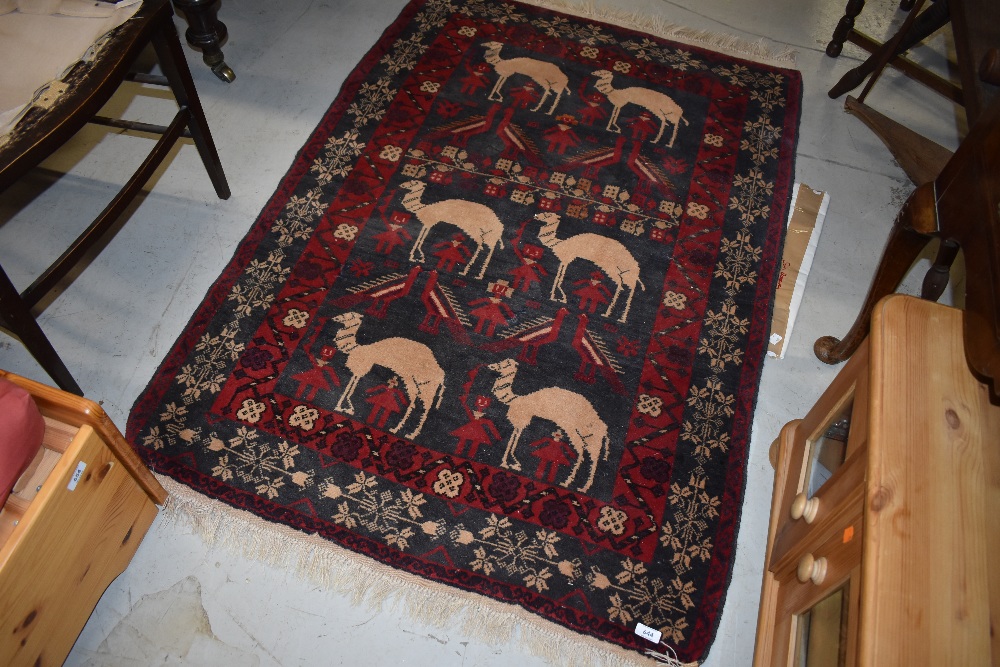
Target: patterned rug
502	324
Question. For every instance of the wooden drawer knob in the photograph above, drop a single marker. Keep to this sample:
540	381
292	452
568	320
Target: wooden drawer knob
772	452
804	507
811	569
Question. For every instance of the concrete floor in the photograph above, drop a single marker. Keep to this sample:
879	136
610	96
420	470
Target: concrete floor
183	601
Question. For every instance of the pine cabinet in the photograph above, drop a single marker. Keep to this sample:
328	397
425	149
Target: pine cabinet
883	519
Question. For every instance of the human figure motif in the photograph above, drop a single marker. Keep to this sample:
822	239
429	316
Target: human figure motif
552	452
644	126
394	235
524	96
319	376
562	136
594	293
386	400
492	310
450	253
479	430
593	111
475	79
530	271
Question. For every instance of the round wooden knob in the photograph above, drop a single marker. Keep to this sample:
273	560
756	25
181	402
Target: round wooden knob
811	569
772	453
804	507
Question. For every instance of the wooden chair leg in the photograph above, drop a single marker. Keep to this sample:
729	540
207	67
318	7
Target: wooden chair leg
844	27
910	234
936	278
175	68
17	316
916	28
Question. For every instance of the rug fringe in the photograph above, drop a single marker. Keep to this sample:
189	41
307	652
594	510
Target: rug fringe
755	50
376	586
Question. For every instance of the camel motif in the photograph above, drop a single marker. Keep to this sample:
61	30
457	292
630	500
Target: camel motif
658	104
570	411
545	74
611	256
413	362
478	221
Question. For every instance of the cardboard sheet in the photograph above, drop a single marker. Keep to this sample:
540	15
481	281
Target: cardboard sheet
805	222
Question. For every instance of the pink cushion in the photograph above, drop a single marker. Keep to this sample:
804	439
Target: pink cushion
21	430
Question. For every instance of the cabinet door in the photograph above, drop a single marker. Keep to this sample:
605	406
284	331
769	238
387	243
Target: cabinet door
809	598
824	460
817	604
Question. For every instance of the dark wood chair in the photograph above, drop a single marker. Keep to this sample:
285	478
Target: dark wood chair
976	28
957	195
43	131
917	27
961	207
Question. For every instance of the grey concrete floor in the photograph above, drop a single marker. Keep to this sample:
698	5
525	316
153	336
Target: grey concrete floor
184	601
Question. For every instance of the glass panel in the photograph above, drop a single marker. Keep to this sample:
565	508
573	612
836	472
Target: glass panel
827	452
821	638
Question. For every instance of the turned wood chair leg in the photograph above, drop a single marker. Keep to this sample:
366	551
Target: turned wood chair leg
844	27
938	275
207	34
902	249
916	28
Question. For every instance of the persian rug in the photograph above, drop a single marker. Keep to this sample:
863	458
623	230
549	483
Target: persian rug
502	323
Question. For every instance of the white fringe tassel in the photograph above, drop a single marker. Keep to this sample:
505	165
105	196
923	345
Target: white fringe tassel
376	586
757	51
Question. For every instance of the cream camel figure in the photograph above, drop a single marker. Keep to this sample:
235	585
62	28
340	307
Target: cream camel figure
570	411
611	256
546	75
479	223
657	103
413	362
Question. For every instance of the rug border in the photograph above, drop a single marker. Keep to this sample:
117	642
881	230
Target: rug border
375	586
543	637
761	334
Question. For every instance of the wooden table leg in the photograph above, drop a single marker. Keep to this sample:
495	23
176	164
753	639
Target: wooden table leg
911	232
207	33
937	277
844	28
